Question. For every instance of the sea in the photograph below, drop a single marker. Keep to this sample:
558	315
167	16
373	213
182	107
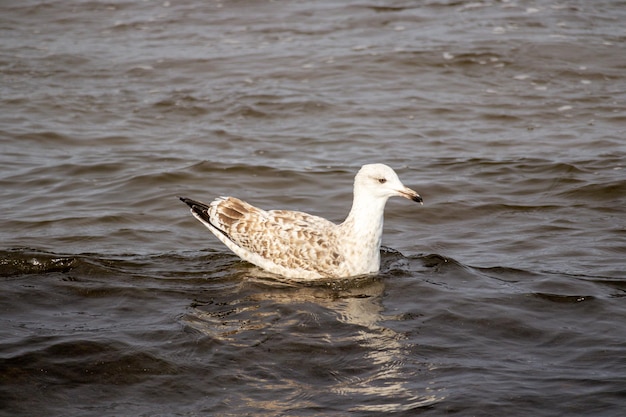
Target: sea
503	295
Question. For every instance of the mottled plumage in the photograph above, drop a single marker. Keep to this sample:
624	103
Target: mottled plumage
299	245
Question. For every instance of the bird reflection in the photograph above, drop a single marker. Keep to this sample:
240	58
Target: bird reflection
331	327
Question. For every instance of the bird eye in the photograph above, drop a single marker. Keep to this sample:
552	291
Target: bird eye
382	180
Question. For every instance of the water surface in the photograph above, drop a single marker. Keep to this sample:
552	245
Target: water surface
503	294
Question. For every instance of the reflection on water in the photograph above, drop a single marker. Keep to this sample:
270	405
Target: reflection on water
269	308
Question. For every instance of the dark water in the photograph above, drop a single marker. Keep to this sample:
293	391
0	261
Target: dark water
503	295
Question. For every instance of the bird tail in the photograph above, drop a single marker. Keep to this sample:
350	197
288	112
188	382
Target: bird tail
198	208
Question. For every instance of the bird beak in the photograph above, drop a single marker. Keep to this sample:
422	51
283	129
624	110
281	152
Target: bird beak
411	195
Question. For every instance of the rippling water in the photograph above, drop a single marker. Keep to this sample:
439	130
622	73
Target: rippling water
503	294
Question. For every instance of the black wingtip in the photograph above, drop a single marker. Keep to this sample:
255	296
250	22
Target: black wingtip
201	212
197	207
194	204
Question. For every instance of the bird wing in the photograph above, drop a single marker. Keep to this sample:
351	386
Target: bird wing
290	239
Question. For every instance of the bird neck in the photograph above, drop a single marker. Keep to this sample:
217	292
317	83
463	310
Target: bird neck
361	234
365	220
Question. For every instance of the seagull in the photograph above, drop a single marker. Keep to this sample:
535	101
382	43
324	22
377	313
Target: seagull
298	245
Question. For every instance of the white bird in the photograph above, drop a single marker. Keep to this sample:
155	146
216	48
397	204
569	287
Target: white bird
294	244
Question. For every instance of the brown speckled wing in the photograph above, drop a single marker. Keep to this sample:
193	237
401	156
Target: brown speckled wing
291	239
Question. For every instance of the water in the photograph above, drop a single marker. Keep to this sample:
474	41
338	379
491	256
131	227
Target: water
503	294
